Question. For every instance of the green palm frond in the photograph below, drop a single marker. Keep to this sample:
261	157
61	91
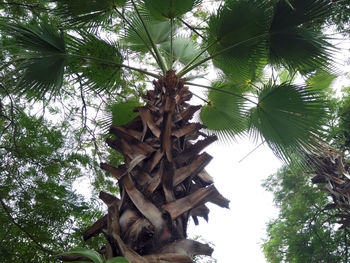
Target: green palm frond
321	80
41	61
226	113
46	55
169	9
238	33
77	13
135	35
184	50
95	61
295	40
288	117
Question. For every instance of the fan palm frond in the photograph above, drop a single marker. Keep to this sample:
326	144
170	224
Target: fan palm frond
40	62
226	113
77	13
296	40
288	117
184	50
238	33
169	9
321	80
135	35
95	60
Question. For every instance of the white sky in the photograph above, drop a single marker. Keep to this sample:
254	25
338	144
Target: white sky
237	232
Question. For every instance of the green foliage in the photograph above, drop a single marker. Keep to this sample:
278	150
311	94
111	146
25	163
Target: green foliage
76	13
295	41
40	211
225	114
95	62
288	117
94	256
91	61
185	50
238	43
42	63
135	35
169	9
303	230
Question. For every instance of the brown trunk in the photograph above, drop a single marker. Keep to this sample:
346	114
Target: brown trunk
162	182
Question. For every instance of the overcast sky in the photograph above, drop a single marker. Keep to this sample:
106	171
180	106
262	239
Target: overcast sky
237	232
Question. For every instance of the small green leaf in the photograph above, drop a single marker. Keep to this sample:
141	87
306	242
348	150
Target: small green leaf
117	260
123	112
91	254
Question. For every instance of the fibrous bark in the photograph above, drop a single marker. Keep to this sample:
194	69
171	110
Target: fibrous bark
332	174
162	182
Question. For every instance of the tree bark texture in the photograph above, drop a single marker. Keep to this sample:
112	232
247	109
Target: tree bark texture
162	181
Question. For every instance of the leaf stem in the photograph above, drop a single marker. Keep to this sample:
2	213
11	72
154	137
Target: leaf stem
160	60
171	42
186	69
137	33
116	64
221	90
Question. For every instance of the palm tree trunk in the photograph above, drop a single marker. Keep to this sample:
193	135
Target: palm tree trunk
162	182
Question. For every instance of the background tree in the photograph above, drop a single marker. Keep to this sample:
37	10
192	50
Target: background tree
304	230
312	225
68	46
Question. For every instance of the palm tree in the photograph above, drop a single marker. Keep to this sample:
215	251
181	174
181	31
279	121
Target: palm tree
162	180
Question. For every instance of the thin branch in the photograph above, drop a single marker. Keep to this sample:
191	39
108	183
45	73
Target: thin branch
6	210
191	27
221	90
252	151
200	98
